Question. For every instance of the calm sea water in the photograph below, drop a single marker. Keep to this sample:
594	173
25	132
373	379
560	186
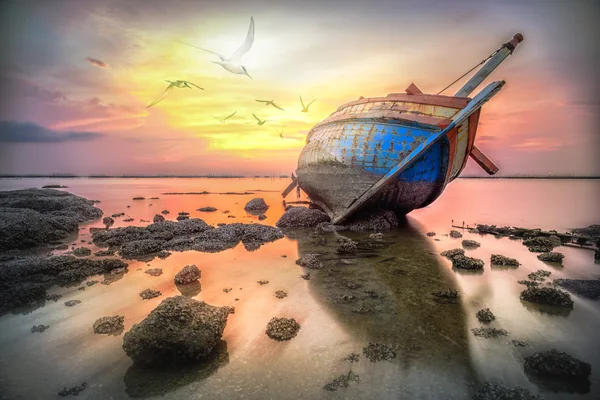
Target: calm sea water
438	356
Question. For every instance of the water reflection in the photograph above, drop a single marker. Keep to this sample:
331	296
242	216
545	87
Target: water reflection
189	289
148	382
384	294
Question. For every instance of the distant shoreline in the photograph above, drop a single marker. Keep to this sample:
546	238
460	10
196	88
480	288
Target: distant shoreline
254	176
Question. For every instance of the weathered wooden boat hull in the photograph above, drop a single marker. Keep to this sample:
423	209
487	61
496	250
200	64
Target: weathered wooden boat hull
344	157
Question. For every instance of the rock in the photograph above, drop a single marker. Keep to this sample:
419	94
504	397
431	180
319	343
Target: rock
154	271
353	358
281	329
468	263
182	217
592	230
207	209
542	244
61	247
452	253
91	283
539	275
449	296
117	215
280	294
375	352
53	297
519	343
163	254
256	204
227	290
553	257
262	217
498	259
109	325
262	282
158	218
141	249
346	246
548	296
108	222
188	274
39	328
485	315
455	234
309	261
72	303
180	330
54	187
29	278
379	221
470	243
589	288
73	391
105	253
164	212
139	198
305	276
148	294
491	391
34	217
488	333
82	252
558	371
301	217
376	236
342	381
430	234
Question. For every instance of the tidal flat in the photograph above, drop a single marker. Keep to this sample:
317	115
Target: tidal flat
378	316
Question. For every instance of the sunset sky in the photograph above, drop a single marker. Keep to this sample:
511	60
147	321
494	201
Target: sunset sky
76	77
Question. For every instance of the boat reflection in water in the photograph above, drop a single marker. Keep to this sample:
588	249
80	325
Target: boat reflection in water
384	294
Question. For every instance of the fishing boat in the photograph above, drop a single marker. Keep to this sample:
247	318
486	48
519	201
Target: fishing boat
396	152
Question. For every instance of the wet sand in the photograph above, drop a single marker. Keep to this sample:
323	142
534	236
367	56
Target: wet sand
437	355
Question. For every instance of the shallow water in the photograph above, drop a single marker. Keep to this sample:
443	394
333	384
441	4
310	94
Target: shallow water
438	356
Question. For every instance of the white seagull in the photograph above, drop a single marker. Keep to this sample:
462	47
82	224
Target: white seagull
233	63
173	84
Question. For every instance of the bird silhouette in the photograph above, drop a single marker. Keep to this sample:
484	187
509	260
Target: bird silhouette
305	107
280	132
223	120
233	63
173	84
259	121
270	103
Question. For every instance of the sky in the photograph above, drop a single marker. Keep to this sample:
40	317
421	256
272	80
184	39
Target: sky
76	78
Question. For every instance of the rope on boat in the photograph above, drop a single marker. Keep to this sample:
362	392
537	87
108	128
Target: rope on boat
471	70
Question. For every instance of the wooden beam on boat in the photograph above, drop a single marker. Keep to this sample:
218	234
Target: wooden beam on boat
484	162
290	187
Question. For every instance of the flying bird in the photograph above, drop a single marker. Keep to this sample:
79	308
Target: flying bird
280	132
305	107
233	63
223	120
270	103
259	121
173	84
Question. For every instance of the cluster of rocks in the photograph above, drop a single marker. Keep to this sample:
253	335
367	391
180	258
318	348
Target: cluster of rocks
493	391
468	263
158	218
112	325
485	315
179	330
539	275
498	259
39	328
547	296
552	257
471	244
309	261
450	254
280	294
33	217
148	294
302	217
488	332
375	352
143	243
589	288
558	371
448	296
346	246
73	391
455	234
542	244
342	381
281	329
26	280
82	252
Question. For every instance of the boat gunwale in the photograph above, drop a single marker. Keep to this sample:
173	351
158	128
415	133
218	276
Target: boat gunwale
426	122
429	99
